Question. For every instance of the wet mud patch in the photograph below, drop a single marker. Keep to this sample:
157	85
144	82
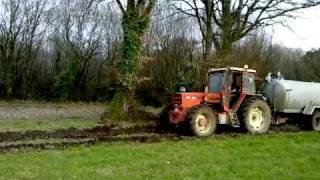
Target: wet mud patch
96	132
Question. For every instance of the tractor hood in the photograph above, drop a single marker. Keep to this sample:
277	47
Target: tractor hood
190	99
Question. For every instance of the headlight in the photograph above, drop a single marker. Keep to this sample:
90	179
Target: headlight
178	109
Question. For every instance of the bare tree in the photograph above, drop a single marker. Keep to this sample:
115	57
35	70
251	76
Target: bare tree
174	46
235	19
203	11
20	40
77	38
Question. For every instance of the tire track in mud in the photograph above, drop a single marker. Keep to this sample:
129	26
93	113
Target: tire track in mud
99	131
29	140
147	138
114	130
16	141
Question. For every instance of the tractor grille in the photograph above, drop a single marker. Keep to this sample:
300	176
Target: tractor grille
177	99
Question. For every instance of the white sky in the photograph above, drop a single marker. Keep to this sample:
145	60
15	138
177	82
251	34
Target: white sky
304	31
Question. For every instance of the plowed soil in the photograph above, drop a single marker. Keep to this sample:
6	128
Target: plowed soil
60	139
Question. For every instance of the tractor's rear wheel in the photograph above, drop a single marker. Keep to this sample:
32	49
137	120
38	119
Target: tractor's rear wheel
255	116
316	121
202	121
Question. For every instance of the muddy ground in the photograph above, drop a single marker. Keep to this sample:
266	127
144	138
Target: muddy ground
104	132
110	132
61	139
20	141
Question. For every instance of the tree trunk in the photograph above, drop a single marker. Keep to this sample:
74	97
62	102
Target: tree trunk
208	43
226	48
133	30
131	44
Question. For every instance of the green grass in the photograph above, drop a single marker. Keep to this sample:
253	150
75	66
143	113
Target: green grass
45	125
279	156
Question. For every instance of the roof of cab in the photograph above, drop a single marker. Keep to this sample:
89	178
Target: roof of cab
233	69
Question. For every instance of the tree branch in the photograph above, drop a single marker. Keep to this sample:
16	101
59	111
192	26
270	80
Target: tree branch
121	6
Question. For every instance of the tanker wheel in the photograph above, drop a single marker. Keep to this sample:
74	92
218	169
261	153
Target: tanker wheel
202	121
256	116
316	121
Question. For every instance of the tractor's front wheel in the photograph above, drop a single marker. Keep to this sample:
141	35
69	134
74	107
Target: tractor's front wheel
256	116
202	121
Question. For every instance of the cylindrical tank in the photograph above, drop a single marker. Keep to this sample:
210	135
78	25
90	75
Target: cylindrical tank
290	96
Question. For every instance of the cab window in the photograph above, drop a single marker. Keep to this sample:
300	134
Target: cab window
248	81
216	80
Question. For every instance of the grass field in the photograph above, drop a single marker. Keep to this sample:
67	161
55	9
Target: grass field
277	156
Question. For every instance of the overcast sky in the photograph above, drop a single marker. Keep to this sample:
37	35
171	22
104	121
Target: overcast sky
305	32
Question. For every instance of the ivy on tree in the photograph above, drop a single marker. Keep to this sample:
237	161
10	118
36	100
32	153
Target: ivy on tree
135	21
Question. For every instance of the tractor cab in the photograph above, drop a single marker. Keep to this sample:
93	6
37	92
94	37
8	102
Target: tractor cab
232	84
227	91
237	79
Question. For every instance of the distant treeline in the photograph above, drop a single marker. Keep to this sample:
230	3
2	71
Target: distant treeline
70	50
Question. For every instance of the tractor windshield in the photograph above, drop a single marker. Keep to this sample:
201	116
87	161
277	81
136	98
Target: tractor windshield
216	80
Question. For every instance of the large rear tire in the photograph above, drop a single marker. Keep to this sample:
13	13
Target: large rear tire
315	121
202	121
255	116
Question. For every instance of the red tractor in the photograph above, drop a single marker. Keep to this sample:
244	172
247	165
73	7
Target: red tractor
230	98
